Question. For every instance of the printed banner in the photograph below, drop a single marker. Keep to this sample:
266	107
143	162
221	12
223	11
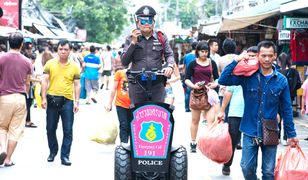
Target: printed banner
11	13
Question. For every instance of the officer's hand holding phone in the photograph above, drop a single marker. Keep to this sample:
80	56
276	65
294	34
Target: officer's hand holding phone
135	34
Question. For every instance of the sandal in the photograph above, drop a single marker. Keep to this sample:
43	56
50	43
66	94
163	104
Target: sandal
31	125
94	100
10	164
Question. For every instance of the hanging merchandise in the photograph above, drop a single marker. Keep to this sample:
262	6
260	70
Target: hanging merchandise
299	47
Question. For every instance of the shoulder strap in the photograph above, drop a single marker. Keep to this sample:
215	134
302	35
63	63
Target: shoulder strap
161	40
211	67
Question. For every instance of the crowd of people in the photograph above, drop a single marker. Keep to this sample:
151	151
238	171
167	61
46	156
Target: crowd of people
242	102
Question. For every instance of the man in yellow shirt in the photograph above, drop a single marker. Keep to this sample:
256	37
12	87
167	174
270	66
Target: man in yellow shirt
60	97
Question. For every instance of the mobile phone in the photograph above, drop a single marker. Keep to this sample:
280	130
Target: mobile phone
201	83
136	23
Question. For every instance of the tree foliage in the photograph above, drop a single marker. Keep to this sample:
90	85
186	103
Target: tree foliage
189	11
104	20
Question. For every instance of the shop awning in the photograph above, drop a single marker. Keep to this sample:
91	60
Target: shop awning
29	34
211	29
294	5
63	34
6	31
45	31
229	24
251	15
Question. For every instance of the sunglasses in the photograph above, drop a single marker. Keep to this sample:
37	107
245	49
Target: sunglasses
143	21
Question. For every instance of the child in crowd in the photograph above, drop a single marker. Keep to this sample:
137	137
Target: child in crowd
122	102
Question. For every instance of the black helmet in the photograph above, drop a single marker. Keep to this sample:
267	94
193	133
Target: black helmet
145	11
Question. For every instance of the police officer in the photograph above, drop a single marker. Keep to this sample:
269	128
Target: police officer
145	49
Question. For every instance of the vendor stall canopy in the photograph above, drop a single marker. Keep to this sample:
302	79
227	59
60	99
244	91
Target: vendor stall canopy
246	17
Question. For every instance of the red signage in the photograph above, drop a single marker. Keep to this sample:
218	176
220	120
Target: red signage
11	13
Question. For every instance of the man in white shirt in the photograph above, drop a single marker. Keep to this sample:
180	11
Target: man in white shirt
107	59
213	43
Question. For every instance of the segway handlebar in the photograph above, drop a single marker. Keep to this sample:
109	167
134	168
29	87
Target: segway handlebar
147	72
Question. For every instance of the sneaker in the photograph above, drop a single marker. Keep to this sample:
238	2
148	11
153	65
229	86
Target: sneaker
187	110
284	143
193	147
204	122
306	139
226	170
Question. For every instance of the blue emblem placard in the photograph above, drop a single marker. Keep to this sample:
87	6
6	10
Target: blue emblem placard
151	132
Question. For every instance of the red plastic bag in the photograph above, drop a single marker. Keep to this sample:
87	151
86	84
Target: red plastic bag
216	143
292	164
246	67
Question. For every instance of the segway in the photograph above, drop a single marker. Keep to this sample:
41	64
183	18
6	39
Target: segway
150	154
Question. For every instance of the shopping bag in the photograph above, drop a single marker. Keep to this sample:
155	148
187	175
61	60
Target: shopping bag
213	97
83	92
106	130
246	67
292	164
178	92
37	95
216	143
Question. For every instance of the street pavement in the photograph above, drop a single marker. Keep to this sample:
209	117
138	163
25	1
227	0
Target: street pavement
94	161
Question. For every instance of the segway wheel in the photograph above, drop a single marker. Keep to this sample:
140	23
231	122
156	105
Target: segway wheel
122	164
178	164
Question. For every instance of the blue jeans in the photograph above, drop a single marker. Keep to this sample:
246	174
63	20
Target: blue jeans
250	159
187	98
67	117
123	115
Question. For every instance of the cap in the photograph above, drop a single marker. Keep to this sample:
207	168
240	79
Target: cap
145	11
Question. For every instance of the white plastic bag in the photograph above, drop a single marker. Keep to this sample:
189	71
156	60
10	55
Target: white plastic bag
106	130
178	92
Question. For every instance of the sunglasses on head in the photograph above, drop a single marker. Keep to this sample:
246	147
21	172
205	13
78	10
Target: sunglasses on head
144	20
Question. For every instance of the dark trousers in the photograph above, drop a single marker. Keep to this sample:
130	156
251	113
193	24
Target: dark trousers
234	126
29	103
226	110
123	115
67	116
138	94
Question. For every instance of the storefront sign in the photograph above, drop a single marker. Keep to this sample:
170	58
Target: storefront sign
284	35
11	13
295	23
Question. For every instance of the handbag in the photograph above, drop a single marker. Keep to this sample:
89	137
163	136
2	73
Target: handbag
246	67
199	99
270	132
